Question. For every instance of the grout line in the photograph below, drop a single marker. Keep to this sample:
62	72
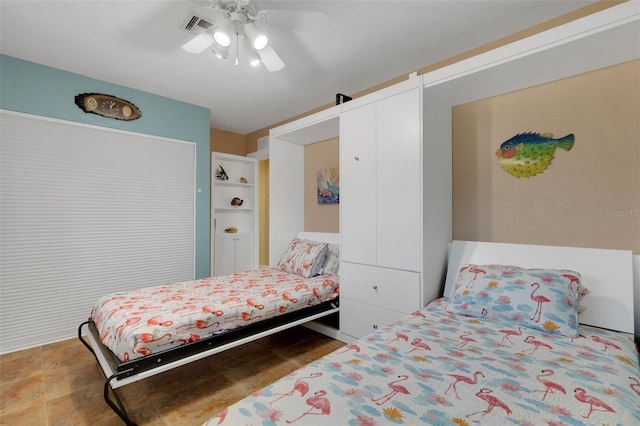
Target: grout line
44	387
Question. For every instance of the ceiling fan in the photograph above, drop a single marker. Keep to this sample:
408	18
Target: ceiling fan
237	26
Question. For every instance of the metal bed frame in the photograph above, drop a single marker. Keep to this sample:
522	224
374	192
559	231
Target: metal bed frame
118	373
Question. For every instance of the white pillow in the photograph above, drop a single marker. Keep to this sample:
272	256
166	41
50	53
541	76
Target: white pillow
332	261
304	258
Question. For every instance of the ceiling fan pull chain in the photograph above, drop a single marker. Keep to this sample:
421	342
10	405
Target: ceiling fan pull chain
237	48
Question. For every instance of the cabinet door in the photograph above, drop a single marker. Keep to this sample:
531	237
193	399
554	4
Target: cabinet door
399	181
358	184
224	254
244	253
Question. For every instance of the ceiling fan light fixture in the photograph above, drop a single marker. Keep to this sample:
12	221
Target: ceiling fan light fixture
221	52
222	34
258	39
237	29
252	56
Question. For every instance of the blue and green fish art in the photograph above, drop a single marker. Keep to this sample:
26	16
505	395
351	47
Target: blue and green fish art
528	154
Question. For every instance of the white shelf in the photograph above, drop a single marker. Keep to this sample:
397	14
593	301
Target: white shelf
227	183
233	209
223	215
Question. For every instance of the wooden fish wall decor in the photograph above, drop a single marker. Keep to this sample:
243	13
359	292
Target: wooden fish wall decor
529	154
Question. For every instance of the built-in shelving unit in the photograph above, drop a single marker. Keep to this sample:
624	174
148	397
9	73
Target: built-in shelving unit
233	251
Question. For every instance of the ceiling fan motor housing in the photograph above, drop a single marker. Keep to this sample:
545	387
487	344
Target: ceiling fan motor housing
236	18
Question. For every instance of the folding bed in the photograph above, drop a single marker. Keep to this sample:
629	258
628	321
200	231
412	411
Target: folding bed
143	332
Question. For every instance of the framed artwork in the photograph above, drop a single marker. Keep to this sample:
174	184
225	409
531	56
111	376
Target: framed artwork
328	186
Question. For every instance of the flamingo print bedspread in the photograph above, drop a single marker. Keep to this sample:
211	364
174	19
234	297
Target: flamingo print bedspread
439	368
141	322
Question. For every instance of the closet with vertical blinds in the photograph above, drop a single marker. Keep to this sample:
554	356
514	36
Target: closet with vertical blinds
86	211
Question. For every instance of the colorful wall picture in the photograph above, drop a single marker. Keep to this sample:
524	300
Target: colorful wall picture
329	186
529	154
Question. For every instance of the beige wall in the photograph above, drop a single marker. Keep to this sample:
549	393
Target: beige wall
589	196
227	142
263	211
319	217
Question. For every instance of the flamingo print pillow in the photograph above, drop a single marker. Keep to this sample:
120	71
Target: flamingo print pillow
303	257
543	299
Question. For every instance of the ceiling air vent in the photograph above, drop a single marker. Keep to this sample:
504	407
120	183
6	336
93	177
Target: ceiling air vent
263	143
195	23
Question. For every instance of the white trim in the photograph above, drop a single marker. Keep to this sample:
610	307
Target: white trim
93	126
609	18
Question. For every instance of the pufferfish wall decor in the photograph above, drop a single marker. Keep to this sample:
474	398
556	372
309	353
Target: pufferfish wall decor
529	154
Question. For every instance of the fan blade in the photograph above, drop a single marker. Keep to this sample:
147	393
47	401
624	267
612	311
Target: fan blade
270	59
199	43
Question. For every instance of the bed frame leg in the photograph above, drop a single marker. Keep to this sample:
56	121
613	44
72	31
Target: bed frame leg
116	406
84	342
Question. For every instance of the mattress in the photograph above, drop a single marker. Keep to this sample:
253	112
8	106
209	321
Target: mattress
149	320
439	368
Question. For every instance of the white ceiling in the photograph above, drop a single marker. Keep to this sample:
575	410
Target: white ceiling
360	44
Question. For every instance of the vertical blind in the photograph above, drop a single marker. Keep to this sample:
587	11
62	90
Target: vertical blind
86	211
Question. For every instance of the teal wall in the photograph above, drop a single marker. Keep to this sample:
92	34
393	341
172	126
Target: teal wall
36	89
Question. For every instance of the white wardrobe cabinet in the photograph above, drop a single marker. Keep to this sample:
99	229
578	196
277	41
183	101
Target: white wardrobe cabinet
395	199
381	181
358	220
380	210
237	251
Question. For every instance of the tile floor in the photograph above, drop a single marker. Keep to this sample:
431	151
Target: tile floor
61	383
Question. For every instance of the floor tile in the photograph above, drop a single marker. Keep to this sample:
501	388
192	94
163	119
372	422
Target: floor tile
201	401
67	354
260	373
27	415
78	407
20	354
61	383
19	394
21	368
308	350
68	379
